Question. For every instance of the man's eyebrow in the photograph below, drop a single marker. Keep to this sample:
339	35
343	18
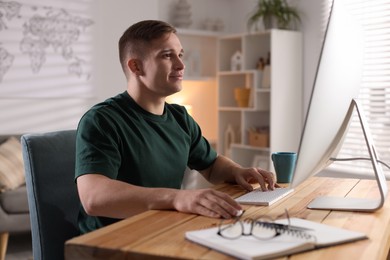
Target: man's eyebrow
165	50
171	50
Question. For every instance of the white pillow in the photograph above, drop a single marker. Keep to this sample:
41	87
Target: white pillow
11	164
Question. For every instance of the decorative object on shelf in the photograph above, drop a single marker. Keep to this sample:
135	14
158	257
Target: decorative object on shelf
213	25
260	67
219	25
274	14
242	95
229	138
208	24
263	61
182	14
266	77
236	61
260	64
259	136
266	73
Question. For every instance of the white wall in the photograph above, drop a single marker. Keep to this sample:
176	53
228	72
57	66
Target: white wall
41	89
19	115
113	18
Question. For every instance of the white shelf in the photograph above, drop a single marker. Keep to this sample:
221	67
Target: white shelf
277	107
263	90
250	147
201	33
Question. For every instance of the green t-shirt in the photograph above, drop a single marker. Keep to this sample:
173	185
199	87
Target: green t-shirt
119	139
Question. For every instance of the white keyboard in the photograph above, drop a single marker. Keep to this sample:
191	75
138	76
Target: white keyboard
264	198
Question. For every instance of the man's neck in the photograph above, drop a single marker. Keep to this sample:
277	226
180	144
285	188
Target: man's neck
154	105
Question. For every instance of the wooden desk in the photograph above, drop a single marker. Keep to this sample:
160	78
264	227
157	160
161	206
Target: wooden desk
160	234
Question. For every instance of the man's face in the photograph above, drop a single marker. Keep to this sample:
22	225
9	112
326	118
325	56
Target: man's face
163	67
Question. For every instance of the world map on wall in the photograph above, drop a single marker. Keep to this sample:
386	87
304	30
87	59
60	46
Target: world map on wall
46	29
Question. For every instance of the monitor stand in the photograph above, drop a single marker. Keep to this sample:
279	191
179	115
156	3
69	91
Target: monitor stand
357	204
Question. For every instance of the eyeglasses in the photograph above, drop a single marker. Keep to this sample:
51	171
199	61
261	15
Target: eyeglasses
263	228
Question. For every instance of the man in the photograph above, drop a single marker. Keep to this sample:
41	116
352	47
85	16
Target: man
132	149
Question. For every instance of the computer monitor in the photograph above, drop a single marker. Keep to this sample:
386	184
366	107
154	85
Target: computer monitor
333	99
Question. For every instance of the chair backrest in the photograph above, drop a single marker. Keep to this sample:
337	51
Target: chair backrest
49	160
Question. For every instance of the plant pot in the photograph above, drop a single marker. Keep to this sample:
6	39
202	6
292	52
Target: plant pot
241	96
270	22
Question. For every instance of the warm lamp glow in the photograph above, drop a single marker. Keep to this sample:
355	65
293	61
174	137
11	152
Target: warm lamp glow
180	98
189	109
177	99
200	100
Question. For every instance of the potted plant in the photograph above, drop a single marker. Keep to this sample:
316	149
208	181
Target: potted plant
274	13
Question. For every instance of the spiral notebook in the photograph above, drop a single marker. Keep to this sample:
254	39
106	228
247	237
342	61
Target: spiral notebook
288	243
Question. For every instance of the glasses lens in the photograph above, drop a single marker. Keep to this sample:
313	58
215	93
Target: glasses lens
231	230
263	228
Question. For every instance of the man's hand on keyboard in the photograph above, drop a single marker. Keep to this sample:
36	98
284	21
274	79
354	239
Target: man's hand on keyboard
224	169
247	176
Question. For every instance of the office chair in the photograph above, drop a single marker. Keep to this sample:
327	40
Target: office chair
49	160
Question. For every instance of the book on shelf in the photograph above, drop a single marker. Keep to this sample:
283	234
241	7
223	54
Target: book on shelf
287	243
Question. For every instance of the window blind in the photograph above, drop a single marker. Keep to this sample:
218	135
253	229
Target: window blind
374	16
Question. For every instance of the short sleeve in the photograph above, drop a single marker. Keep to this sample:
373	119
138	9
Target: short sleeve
96	148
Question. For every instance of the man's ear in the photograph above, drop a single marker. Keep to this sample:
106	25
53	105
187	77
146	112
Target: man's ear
135	66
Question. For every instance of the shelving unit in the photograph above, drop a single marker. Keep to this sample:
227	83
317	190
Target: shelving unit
200	85
200	48
277	107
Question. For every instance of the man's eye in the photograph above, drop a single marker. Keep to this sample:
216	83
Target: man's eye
167	55
181	55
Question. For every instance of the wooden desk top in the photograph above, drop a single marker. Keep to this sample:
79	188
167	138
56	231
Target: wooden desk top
160	234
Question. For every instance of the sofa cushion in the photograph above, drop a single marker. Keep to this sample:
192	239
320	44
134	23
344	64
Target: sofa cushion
11	164
14	201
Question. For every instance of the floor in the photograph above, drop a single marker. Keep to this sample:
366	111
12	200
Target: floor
19	247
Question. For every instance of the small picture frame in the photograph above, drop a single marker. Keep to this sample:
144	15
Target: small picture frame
260	161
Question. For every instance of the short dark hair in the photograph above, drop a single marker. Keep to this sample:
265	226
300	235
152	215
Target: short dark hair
138	35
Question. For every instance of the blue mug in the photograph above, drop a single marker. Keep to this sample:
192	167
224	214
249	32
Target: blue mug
284	164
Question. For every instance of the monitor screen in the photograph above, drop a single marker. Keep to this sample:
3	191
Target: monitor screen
337	82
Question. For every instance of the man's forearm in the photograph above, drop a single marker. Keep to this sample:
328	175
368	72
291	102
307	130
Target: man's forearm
101	196
221	170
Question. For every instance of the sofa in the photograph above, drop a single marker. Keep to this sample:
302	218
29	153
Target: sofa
14	212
